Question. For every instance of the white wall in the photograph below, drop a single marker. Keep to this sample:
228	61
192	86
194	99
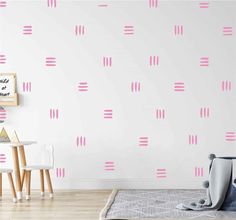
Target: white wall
79	58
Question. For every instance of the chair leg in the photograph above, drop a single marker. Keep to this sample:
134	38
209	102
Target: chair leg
28	179
49	183
0	184
42	182
12	187
23	179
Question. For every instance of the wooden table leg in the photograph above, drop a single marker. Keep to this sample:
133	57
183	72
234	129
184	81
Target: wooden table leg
23	163
17	172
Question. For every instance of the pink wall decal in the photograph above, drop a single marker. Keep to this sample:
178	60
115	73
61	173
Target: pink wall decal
81	141
204	61
178	30
198	171
161	173
79	30
179	87
107	61
230	136
128	30
3	114
226	86
60	172
27	29
83	87
102	5
160	113
3	4
52	3
50	61
54	113
227	31
204	112
109	166
204	4
153	3
153	61
26	86
3	59
143	142
108	113
192	139
3	158
135	87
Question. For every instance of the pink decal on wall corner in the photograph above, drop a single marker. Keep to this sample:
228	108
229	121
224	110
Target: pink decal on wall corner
161	173
178	30
60	172
204	4
108	114
3	4
3	59
153	3
109	166
135	87
79	30
107	61
227	31
204	61
226	86
3	158
83	87
204	112
54	113
27	30
179	87
143	142
230	136
198	171
50	61
128	30
81	141
26	86
160	113
192	139
153	61
3	114
52	3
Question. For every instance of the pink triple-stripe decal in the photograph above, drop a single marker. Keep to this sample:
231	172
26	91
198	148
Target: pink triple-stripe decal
160	113
179	87
3	4
143	141
227	31
83	87
79	30
204	4
178	30
50	61
54	113
198	171
102	5
108	113
26	86
52	3
192	139
204	112
153	3
27	30
161	173
80	141
3	114
153	61
128	30
230	136
60	172
3	158
107	61
109	166
135	87
204	61
226	86
3	59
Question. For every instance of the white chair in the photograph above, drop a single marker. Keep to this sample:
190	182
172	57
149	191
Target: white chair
47	163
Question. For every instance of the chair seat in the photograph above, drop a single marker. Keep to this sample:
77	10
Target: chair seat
5	170
36	167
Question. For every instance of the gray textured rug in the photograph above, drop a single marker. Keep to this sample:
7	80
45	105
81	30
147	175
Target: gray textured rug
157	204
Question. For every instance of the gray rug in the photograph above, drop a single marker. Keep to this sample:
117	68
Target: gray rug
157	204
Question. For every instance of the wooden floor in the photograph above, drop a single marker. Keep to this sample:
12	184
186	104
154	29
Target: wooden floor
66	205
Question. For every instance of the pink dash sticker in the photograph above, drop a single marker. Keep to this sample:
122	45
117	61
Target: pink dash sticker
204	4
153	61
81	141
50	61
83	87
198	171
26	86
3	158
143	142
79	30
3	59
226	86
204	112
128	30
161	173
204	61
160	113
3	4
27	30
178	30
153	3
230	136
227	31
54	113
192	139
3	114
60	172
179	87
135	87
52	3
107	61
109	166
108	114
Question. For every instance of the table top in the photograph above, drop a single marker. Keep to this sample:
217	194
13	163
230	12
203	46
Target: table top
17	144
